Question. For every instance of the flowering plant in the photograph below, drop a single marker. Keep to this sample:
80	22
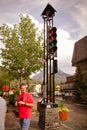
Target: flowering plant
62	107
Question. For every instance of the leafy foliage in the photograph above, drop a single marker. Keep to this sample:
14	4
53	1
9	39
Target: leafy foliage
4	78
62	107
80	87
22	47
13	98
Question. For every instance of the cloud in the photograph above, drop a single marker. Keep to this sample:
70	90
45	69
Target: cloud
65	51
65	46
65	65
70	19
81	19
71	16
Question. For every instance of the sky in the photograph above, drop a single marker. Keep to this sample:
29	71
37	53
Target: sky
70	20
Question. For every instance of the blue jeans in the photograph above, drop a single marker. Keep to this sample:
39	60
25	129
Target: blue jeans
25	123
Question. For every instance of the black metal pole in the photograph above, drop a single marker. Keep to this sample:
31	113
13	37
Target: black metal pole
47	59
53	83
50	82
44	89
48	14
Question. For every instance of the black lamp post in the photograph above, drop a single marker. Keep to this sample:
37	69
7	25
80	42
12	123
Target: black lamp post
49	11
49	108
48	69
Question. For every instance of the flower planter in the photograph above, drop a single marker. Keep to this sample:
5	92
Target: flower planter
63	116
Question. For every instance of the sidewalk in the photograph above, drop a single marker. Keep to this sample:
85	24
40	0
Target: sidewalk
12	123
34	124
77	119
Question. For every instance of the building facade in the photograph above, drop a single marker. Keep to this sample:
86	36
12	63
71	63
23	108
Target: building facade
79	59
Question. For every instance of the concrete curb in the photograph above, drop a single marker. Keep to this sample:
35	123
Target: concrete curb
70	125
66	127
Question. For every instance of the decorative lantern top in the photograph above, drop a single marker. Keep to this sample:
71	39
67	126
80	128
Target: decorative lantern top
48	11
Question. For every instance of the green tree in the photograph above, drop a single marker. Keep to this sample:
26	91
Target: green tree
22	47
80	87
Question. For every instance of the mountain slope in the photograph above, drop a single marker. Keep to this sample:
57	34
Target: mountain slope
60	77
